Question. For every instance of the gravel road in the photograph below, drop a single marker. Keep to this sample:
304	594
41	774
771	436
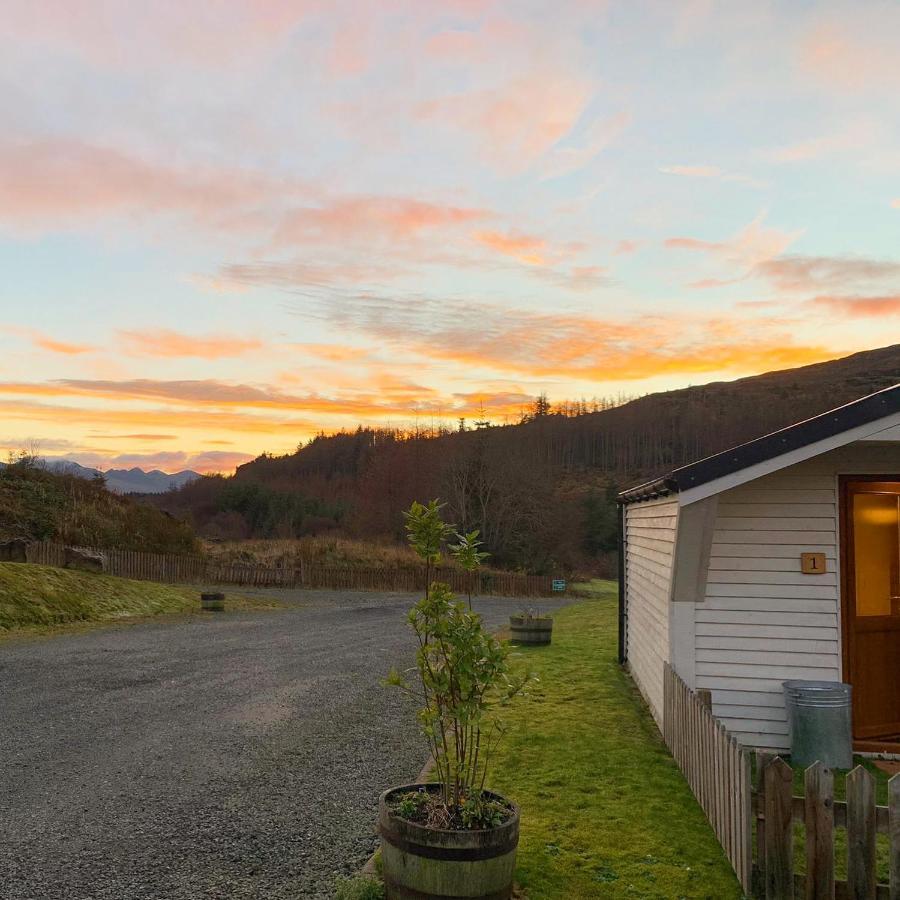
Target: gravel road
220	756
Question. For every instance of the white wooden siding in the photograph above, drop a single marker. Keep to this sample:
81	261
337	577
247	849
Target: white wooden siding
649	551
762	622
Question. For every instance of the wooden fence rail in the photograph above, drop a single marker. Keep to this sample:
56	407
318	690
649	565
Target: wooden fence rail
715	767
173	568
778	812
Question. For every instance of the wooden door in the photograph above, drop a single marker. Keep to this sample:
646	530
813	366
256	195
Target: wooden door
871	604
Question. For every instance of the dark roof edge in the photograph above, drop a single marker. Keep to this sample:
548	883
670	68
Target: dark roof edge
650	490
859	412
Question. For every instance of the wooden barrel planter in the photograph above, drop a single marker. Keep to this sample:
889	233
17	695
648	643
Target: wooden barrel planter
435	864
214	602
530	630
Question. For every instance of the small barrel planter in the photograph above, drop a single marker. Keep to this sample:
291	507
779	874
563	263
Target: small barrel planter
213	602
530	630
436	864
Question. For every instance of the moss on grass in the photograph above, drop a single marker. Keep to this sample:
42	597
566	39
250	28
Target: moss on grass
605	811
40	598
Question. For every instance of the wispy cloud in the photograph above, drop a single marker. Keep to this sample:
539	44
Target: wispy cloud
526	248
174	344
713	173
573	346
753	246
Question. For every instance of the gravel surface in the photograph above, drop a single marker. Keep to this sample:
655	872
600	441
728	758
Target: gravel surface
228	755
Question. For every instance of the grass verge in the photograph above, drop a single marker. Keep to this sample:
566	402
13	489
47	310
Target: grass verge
605	811
41	598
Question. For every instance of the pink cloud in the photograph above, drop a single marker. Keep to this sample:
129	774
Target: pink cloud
752	246
517	123
131	35
842	56
55	183
866	307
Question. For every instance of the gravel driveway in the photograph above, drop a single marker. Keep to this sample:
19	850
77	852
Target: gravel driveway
233	755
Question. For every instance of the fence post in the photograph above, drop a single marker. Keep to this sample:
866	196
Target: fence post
860	835
818	783
778	779
894	835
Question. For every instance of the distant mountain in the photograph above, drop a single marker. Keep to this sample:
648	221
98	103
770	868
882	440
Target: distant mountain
137	481
125	481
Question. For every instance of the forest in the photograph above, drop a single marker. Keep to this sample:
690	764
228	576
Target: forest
541	492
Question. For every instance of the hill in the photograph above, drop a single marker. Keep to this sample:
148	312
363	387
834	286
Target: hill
38	504
542	491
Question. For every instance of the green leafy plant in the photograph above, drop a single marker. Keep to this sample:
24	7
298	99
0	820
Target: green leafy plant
468	556
463	677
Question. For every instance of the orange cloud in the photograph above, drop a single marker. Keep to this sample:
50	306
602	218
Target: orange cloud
54	346
333	352
199	419
532	344
524	247
380	217
206	462
172	344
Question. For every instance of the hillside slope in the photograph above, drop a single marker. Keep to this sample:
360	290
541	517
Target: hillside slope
33	596
540	491
37	504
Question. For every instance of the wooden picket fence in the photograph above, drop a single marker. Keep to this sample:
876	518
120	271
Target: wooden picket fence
777	812
715	767
173	568
718	771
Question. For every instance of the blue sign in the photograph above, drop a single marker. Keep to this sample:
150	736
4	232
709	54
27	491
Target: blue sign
559	584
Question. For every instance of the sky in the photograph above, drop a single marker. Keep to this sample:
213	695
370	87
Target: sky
227	226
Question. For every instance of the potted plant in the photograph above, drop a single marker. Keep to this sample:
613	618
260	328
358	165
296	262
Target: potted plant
451	837
531	626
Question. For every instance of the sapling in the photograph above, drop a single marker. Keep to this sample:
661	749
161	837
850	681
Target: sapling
464	676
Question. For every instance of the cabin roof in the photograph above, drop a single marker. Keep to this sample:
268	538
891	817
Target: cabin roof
810	431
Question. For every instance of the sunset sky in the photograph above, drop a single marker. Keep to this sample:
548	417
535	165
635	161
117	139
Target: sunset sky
226	225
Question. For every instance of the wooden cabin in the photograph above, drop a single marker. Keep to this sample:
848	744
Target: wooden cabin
775	560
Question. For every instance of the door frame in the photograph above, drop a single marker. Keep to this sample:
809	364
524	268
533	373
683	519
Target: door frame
848	590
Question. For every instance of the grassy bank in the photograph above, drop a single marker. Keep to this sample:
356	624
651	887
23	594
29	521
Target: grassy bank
34	597
605	811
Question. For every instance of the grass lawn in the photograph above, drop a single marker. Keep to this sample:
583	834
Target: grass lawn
605	810
39	598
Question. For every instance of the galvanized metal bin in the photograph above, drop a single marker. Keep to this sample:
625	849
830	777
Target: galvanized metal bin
819	721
